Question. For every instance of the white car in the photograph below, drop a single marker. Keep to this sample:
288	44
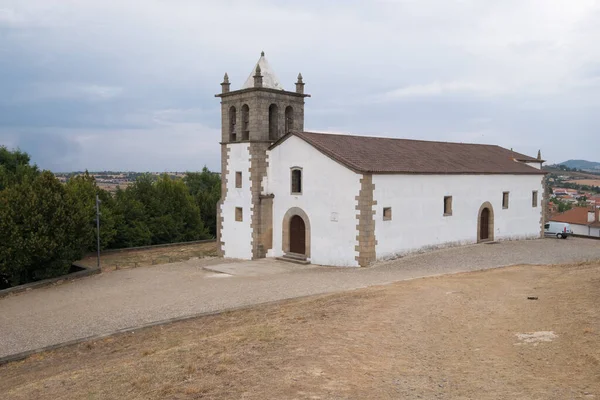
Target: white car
561	230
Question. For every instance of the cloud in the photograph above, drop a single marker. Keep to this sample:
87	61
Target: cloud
106	73
45	91
442	88
162	147
9	18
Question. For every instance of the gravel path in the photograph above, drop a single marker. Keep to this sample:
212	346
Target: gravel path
128	298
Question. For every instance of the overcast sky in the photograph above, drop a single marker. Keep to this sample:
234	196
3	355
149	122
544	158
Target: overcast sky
130	84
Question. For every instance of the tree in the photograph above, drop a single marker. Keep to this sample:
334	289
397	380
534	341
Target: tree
205	187
562	205
39	230
157	211
82	190
130	221
15	167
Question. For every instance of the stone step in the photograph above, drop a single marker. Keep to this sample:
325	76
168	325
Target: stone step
293	260
295	256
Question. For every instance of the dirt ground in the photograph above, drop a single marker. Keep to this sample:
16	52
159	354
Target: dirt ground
146	257
465	336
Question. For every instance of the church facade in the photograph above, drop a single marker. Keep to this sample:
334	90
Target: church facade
347	200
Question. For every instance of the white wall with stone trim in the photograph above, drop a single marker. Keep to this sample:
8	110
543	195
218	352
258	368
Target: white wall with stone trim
236	235
328	198
418	220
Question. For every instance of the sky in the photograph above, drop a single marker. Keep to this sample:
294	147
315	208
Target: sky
130	84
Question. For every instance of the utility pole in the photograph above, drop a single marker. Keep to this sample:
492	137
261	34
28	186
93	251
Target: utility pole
98	226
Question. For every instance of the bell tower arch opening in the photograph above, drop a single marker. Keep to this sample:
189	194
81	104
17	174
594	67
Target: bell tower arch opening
273	122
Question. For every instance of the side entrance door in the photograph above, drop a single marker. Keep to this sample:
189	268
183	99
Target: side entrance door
297	235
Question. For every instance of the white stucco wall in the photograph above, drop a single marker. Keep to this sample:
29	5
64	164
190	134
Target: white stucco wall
578	229
237	235
327	188
417	210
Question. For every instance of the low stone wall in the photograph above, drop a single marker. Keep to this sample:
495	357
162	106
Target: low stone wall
155	246
86	271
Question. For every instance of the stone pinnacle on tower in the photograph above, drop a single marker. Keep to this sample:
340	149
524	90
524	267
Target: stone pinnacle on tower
539	156
258	79
300	84
225	85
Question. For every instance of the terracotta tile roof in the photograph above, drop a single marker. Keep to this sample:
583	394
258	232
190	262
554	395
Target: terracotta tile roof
390	155
576	215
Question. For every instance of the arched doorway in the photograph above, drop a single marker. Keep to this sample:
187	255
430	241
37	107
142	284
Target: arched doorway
485	223
297	235
295	232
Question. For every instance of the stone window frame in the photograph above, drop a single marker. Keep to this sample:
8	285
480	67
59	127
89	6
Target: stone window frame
292	170
239	214
238	179
505	200
447	206
387	213
534	199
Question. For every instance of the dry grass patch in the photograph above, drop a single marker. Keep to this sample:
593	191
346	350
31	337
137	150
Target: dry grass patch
443	337
588	182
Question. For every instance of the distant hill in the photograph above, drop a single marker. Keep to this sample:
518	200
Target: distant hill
582	164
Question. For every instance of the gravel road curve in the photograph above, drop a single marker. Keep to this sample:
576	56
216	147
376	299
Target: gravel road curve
116	300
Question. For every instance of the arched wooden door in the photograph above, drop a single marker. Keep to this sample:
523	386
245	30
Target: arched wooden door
484	224
297	235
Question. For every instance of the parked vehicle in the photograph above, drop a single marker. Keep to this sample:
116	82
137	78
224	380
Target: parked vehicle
561	230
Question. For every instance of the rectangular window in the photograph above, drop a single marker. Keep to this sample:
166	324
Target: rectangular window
447	205
238	179
239	214
387	213
296	181
505	200
534	199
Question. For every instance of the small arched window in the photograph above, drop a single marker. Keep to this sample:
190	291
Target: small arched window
289	119
232	121
273	119
245	122
296	180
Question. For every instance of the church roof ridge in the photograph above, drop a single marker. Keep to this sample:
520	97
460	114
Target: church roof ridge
370	154
269	78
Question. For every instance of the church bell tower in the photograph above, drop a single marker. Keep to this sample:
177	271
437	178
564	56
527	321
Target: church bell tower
252	118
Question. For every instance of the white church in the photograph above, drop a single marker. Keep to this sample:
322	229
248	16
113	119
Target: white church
348	200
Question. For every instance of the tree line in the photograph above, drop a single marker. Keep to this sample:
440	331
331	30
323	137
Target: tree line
45	225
